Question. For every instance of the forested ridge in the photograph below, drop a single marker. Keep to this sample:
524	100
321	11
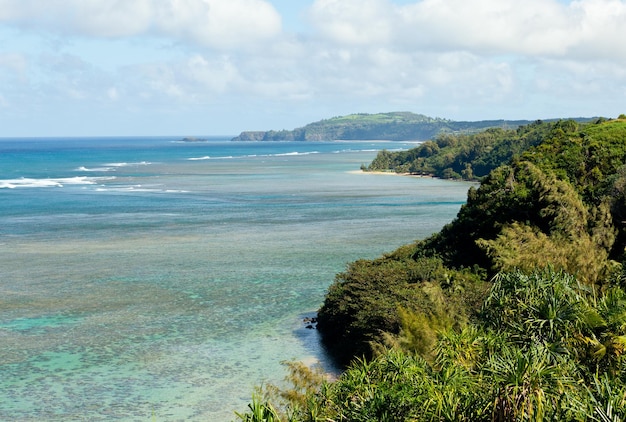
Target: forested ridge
514	311
394	126
469	156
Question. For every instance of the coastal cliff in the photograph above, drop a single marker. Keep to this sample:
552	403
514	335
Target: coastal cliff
395	126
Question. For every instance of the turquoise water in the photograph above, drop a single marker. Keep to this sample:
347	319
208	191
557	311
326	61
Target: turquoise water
147	279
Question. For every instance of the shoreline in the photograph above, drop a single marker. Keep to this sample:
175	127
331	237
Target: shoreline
418	176
390	173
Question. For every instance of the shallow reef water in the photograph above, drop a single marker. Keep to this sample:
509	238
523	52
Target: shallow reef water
146	279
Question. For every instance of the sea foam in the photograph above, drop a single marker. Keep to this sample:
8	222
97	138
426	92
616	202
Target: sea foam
25	182
95	169
141	163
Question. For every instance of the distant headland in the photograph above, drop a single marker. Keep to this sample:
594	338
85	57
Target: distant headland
394	126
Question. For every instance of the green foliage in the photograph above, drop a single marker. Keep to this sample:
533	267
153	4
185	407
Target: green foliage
525	247
617	205
363	302
304	381
546	342
527	385
524	215
523	359
260	411
382	161
421	327
537	308
396	386
608	400
470	157
584	158
298	399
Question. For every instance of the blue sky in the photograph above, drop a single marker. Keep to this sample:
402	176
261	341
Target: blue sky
218	67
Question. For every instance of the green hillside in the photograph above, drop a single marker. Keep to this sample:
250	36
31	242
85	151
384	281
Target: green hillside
559	202
397	126
468	156
515	311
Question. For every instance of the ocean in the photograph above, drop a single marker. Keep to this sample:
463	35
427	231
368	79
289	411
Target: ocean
152	279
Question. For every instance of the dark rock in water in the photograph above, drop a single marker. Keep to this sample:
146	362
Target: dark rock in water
192	139
311	322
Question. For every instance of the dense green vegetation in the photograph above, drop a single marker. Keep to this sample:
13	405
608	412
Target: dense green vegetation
542	348
525	214
469	156
516	310
397	126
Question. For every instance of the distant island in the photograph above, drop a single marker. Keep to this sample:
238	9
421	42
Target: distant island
192	139
394	126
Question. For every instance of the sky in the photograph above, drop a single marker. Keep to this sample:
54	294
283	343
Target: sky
219	67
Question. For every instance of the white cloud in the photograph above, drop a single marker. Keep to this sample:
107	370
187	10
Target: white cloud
601	31
461	59
214	76
223	24
486	26
474	57
354	22
533	27
103	18
193	80
213	23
